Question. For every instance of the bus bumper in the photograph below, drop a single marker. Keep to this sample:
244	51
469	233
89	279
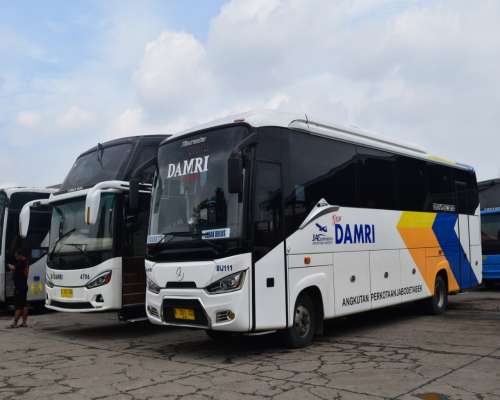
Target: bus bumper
223	312
101	298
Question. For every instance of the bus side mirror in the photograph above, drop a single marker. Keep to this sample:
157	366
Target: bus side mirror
24	220
235	175
92	205
133	195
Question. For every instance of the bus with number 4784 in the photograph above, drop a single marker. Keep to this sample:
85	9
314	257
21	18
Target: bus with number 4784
270	222
98	230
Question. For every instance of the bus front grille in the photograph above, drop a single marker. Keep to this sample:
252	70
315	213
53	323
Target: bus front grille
81	305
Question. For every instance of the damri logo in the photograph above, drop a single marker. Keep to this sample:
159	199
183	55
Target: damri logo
322	237
188	167
354	233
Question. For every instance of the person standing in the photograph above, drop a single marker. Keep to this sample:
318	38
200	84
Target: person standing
20	270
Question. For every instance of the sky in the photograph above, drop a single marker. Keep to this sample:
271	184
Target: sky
76	73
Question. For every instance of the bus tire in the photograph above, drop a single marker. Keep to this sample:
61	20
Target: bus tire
437	304
301	334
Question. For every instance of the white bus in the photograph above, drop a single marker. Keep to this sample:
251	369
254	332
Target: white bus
98	232
268	222
12	201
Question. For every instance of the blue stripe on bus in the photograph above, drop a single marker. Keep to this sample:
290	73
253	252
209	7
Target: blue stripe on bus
444	229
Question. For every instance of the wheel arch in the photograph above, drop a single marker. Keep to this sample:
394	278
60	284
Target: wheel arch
316	296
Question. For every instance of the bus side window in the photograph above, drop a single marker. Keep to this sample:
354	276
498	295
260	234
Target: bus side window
440	184
267	213
411	184
316	169
466	192
377	186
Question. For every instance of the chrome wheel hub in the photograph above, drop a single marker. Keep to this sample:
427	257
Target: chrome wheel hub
302	321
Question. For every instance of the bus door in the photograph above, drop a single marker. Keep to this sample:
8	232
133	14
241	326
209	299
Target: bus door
133	272
269	249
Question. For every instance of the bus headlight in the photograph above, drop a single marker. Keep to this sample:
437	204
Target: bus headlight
227	284
100	280
153	287
48	282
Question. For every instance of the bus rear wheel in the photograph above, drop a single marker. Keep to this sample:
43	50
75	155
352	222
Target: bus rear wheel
301	334
439	301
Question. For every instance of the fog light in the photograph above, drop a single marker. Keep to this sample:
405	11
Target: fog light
99	298
226	315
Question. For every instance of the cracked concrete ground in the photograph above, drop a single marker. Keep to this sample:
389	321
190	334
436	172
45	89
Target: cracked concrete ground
396	353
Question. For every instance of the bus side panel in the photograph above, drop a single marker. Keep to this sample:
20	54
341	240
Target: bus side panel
385	276
475	246
270	290
36	280
317	273
351	280
413	274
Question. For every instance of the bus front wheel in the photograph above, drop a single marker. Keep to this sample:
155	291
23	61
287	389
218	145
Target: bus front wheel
301	334
439	301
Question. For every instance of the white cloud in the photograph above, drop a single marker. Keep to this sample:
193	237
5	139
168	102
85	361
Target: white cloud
425	72
75	118
422	72
173	73
28	119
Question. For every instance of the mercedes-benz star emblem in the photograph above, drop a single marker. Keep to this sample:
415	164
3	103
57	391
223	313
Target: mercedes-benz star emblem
179	273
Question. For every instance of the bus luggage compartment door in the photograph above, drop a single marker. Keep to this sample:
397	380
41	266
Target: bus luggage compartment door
351	281
385	276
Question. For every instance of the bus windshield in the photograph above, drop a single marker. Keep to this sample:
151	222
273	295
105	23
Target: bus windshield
104	164
75	245
490	233
190	201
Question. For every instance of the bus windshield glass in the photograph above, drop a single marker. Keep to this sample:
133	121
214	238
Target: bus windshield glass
490	233
190	201
75	245
104	164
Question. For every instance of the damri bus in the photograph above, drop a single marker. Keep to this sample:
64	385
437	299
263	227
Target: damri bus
489	195
98	232
269	222
11	202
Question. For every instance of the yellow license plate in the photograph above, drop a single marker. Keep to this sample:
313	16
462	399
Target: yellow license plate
68	293
184	313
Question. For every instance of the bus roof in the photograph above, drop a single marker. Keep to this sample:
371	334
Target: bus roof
126	139
306	123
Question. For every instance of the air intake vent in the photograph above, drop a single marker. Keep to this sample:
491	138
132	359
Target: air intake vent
181	285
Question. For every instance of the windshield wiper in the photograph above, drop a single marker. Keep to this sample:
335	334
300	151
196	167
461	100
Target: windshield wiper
80	248
172	234
66	234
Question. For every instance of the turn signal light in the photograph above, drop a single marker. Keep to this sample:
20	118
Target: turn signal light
307	260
